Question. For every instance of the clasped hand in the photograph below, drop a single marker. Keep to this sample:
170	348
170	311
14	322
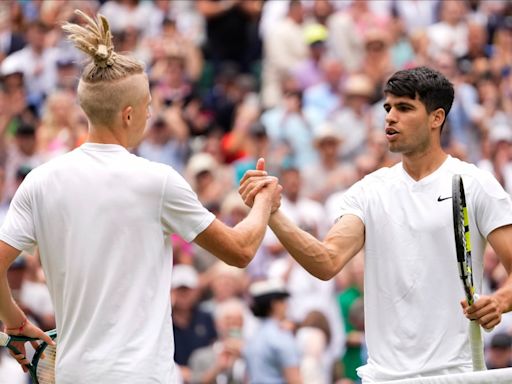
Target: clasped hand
258	181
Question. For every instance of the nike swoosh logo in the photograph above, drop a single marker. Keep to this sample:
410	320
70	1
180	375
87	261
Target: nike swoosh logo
443	198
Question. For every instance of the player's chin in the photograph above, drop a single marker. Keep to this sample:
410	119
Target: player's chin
393	147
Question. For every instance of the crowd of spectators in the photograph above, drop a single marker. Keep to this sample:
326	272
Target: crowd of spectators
298	82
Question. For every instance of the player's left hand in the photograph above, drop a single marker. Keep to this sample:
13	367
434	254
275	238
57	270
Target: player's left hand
486	310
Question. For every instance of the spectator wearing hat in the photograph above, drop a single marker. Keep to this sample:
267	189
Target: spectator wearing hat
202	170
309	71
193	327
354	120
377	61
272	355
322	178
499	353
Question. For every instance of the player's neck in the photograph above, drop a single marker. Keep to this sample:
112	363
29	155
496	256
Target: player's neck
421	165
103	135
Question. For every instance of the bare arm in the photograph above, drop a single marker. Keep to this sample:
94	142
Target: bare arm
292	375
15	321
488	309
323	259
501	241
237	246
10	314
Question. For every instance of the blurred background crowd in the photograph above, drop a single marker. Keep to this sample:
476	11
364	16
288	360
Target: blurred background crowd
297	82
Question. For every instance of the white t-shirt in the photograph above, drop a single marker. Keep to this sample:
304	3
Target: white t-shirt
413	319
102	218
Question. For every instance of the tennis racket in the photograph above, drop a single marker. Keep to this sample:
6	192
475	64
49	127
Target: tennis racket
41	368
463	247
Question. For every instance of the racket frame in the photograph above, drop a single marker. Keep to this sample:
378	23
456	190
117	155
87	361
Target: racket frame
464	263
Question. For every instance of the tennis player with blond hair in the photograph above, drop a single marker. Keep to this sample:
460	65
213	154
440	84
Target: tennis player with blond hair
403	218
101	218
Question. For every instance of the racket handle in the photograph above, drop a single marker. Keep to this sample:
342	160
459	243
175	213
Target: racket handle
477	346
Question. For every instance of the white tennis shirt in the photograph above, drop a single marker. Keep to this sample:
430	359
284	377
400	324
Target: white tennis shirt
414	321
102	218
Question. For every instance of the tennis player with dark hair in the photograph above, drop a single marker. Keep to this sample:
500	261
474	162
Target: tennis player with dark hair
101	218
402	216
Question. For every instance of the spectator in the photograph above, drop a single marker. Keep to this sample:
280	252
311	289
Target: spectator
59	132
327	175
499	162
347	28
171	41
354	121
193	327
450	33
309	71
313	337
499	354
11	41
272	355
22	152
290	127
222	362
203	171
284	48
231	32
166	141
326	97
37	63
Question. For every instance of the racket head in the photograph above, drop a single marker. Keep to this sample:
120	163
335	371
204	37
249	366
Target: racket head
462	237
43	362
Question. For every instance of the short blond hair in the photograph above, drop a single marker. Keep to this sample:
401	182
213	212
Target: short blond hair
106	85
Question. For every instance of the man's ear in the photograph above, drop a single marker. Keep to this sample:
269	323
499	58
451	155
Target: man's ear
126	115
438	116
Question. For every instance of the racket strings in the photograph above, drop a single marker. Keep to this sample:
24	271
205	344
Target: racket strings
45	371
465	265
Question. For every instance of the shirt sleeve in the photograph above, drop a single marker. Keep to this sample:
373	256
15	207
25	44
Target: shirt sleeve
352	202
182	212
18	229
493	205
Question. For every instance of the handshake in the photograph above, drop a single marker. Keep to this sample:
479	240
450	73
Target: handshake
258	184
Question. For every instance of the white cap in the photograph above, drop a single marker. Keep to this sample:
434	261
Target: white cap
184	275
201	162
501	132
268	287
326	131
